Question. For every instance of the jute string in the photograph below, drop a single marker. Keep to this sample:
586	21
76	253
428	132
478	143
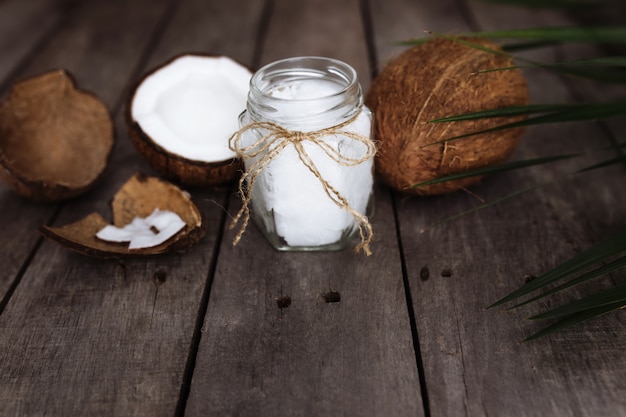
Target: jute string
274	142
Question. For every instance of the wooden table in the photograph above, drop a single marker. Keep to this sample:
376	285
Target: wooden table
405	331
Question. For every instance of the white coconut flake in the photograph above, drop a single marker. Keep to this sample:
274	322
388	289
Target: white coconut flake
145	232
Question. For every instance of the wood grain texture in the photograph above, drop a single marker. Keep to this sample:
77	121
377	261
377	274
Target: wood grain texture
324	28
247	330
21	218
312	357
40	18
86	337
473	364
96	46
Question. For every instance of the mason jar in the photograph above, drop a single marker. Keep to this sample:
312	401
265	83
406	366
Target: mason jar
312	184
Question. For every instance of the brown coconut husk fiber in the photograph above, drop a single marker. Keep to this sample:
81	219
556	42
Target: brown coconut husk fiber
432	80
55	139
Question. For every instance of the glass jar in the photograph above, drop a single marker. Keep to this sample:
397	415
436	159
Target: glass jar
319	206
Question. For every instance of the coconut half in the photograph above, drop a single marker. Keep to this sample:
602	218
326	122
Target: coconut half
143	206
55	140
181	115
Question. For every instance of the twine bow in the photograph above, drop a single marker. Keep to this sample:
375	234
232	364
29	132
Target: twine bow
274	142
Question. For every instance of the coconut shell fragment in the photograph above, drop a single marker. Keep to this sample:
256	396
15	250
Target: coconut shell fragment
433	80
55	140
138	197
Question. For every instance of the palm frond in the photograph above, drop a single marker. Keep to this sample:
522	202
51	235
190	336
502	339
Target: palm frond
524	46
605	257
584	34
606	163
496	169
553	4
576	318
488	204
552	36
606	69
598	272
596	254
611	296
505	112
558	114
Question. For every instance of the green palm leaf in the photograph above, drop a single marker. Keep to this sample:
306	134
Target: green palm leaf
552	4
604	73
515	165
506	112
608	162
600	259
560	113
545	37
488	204
614	61
605	269
495	169
591	34
598	253
612	296
576	318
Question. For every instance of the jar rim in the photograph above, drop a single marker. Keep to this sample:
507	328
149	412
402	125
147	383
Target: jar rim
308	65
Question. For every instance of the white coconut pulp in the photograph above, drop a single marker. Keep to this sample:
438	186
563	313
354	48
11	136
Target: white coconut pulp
311	218
145	232
190	106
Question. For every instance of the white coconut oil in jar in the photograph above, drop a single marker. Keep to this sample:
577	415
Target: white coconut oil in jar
306	144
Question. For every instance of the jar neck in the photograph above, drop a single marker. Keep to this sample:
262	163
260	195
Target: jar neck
305	93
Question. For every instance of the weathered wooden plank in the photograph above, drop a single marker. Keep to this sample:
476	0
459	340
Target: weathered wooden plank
472	363
311	357
82	336
262	355
223	28
23	26
102	64
323	35
44	314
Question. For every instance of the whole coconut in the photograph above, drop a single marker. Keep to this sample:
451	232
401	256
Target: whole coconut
432	80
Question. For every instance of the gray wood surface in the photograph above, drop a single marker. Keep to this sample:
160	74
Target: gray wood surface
472	364
312	357
84	337
20	219
249	331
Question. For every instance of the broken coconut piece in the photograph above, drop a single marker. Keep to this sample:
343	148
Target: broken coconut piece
138	198
144	232
55	140
181	115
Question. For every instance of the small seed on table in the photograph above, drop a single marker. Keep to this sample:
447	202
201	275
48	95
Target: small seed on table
283	301
331	297
424	273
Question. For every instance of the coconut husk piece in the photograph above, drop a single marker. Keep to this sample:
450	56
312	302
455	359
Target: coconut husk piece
138	197
55	140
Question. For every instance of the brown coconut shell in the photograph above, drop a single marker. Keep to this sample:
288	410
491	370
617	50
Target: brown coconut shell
178	168
192	173
55	140
432	80
138	197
